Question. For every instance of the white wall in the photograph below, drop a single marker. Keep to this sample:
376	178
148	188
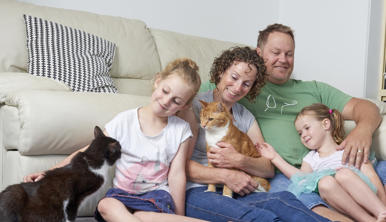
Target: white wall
331	41
375	56
332	37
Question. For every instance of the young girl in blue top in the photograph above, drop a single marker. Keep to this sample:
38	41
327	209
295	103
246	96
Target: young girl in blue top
347	189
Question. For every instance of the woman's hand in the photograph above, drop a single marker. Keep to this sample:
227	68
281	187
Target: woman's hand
34	177
266	150
225	156
240	182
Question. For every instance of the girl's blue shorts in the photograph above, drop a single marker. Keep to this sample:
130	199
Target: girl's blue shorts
156	201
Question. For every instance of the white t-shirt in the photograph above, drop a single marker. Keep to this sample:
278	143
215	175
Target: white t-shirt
333	161
145	160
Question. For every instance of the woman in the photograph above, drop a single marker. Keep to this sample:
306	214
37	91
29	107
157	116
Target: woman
238	72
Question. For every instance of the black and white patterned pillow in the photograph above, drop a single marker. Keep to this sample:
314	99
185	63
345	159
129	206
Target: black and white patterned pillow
79	59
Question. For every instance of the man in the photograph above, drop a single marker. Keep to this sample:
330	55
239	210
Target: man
282	98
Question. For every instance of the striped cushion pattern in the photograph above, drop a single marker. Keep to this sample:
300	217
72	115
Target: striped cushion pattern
74	57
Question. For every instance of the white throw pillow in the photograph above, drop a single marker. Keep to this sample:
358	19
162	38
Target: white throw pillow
79	59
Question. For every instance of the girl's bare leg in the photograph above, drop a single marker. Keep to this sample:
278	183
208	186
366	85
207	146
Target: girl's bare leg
331	214
360	191
153	216
113	210
369	171
381	217
331	191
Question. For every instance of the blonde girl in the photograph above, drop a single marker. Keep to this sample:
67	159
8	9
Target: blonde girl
347	189
150	178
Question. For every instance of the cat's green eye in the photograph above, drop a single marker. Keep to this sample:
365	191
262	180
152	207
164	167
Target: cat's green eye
210	119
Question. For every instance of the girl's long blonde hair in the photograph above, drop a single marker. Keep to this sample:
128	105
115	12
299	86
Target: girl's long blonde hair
187	69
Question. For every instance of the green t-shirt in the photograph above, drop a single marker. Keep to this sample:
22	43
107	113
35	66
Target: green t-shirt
276	107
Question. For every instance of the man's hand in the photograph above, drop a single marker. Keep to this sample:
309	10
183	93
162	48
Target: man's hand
34	177
356	147
240	182
224	157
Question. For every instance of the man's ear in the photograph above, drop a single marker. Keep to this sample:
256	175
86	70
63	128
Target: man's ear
326	123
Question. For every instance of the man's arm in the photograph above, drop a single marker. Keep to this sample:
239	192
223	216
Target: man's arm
357	143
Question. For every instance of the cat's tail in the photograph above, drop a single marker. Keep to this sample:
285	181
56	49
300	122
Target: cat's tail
12	201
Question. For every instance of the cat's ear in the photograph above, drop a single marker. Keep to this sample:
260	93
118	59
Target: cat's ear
220	107
203	103
98	132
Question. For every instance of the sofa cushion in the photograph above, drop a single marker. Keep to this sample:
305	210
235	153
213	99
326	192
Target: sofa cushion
132	38
41	122
80	60
11	82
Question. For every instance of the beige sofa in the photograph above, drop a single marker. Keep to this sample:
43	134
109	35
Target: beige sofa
42	120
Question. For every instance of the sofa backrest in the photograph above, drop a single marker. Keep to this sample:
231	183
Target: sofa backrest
172	45
141	52
136	55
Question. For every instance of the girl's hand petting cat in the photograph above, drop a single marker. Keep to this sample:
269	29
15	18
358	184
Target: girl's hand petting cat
266	150
240	182
34	177
224	157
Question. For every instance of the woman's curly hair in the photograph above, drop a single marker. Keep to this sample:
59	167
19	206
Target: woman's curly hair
240	54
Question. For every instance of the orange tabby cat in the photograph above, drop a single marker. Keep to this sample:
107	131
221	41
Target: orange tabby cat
218	125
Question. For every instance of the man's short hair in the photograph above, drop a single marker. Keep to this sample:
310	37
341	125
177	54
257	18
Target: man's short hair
263	34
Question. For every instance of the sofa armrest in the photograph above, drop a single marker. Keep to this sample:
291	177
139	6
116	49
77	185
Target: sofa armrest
11	82
379	140
41	122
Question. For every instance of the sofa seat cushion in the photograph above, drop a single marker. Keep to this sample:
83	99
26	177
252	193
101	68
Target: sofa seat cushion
79	59
39	122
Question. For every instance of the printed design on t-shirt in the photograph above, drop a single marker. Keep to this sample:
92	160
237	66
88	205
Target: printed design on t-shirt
142	177
270	103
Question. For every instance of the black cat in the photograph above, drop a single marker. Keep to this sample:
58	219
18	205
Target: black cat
58	195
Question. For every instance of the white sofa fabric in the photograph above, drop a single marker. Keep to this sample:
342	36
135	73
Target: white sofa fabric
42	121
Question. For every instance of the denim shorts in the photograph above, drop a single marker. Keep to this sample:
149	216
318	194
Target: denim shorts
158	201
280	183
